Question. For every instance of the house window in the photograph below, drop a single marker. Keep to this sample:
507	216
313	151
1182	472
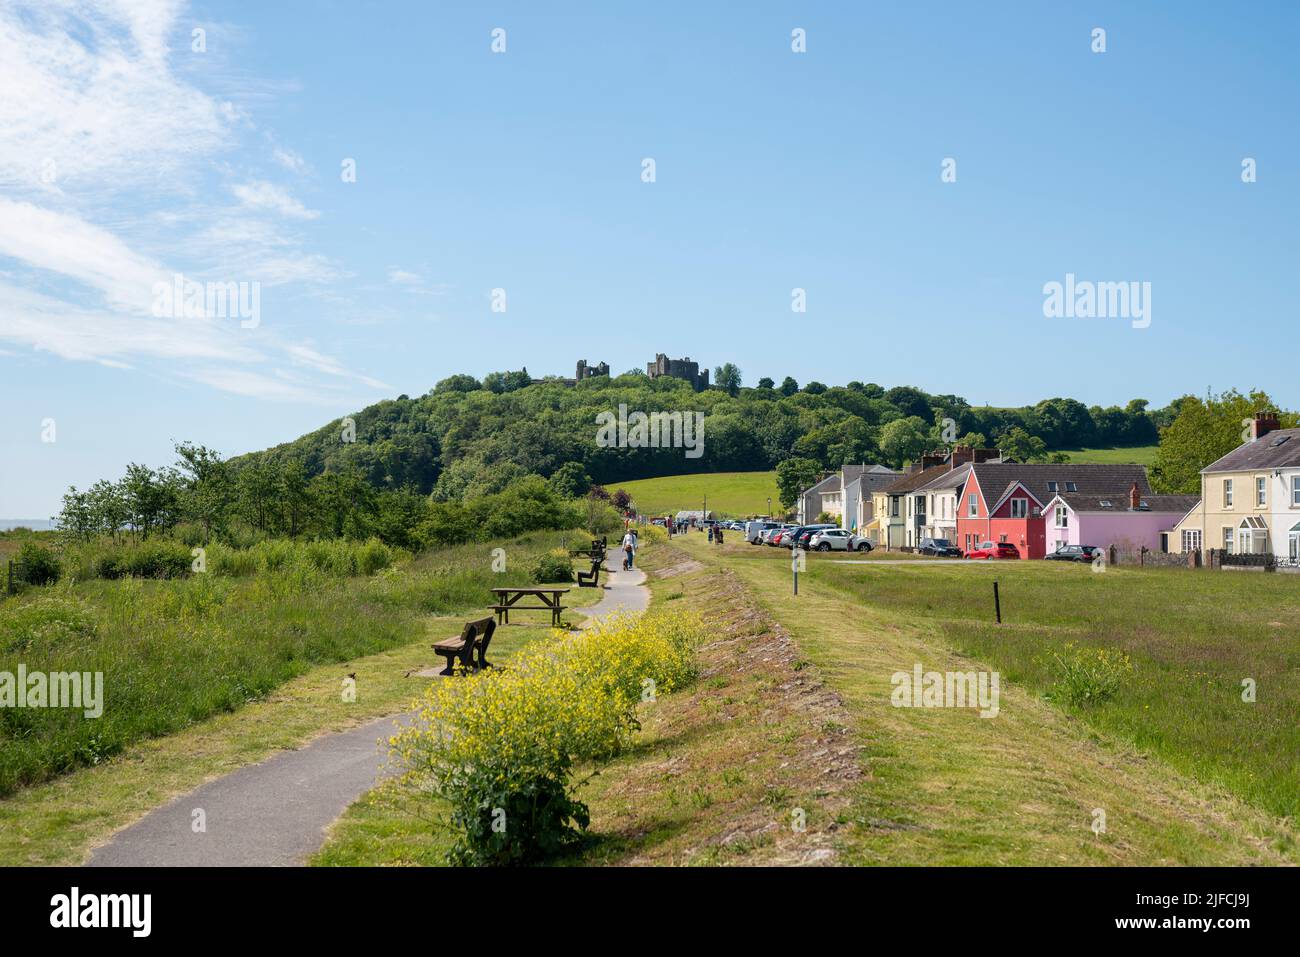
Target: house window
1002	538
1261	491
1191	539
1062	516
1072	486
1295	490
1227	538
1227	493
1019	507
974	509
893	506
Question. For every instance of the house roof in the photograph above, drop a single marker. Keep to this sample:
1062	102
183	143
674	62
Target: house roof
914	480
1178	505
871	476
830	483
998	479
955	478
1272	450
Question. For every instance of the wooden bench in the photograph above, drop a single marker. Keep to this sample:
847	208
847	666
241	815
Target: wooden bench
508	601
475	634
591	579
596	551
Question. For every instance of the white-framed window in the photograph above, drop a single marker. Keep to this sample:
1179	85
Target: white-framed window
1062	516
1019	507
1227	493
973	508
1295	490
1227	538
1191	539
1261	490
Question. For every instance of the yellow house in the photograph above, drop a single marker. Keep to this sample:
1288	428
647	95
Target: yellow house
1250	498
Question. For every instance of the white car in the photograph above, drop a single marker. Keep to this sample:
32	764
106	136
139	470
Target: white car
838	539
754	531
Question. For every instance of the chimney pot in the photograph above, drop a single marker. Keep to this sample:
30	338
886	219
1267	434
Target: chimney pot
1264	423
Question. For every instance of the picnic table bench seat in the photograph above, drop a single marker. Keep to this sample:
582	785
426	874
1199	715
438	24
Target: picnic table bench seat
475	635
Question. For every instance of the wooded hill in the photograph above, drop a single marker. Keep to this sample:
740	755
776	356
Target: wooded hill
468	437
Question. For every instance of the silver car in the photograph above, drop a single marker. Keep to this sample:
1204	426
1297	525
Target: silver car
838	539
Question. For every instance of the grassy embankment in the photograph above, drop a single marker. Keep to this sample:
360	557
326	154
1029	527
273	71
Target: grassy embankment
1184	772
205	675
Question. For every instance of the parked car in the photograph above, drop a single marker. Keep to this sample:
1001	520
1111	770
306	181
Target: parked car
988	550
938	546
804	534
768	534
838	539
1074	553
775	536
754	530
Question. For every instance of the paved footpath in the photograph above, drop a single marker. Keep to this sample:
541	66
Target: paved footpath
275	813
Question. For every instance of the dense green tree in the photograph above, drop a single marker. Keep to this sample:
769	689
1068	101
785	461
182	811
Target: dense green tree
727	378
788	386
903	440
1205	430
793	476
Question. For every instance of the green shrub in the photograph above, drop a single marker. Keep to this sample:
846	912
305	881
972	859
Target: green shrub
373	556
554	566
159	558
500	747
40	565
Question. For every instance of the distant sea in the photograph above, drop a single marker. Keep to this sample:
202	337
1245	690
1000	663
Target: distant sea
35	524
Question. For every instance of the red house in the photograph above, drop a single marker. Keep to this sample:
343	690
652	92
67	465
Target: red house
1004	502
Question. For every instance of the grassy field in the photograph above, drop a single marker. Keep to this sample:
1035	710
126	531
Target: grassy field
1185	771
59	820
792	719
1137	455
735	494
174	652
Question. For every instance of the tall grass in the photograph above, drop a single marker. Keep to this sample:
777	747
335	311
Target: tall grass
176	651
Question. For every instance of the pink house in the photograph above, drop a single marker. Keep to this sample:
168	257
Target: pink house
1130	522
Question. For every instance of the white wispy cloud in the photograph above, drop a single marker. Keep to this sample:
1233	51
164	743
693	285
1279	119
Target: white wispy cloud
107	158
267	196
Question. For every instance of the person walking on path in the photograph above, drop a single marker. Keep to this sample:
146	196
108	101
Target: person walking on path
629	545
710	534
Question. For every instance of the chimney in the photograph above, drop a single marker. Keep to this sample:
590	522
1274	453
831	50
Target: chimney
931	459
961	454
986	455
1134	497
1264	423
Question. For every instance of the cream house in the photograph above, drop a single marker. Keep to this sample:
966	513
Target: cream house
1250	498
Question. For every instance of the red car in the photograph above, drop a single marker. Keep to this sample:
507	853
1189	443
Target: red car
994	550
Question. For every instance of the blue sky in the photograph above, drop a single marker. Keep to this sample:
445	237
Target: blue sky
125	156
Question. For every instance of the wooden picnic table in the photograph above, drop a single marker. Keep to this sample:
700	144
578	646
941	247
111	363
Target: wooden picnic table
508	598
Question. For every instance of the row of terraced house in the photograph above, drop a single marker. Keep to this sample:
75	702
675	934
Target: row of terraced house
1250	502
